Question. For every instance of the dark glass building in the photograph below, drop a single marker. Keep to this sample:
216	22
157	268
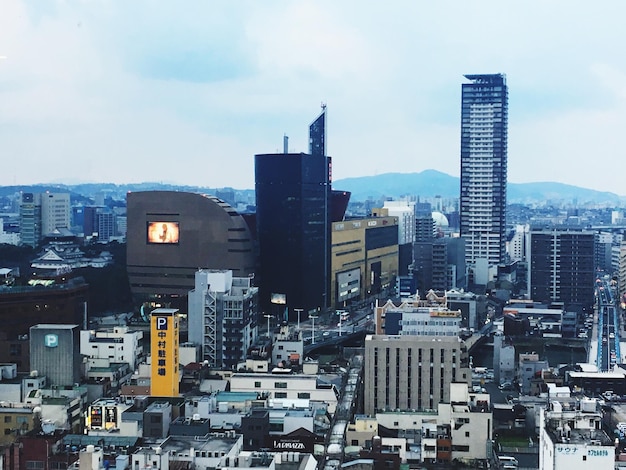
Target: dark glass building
561	266
317	135
484	115
293	203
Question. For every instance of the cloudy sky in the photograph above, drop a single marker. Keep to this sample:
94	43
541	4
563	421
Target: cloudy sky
188	92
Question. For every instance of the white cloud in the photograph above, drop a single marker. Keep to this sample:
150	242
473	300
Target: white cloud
118	91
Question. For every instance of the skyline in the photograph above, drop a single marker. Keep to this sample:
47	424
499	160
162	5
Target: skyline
127	93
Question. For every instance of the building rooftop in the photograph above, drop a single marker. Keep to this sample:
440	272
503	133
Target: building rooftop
213	443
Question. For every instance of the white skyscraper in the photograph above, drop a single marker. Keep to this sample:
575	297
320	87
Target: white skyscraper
484	116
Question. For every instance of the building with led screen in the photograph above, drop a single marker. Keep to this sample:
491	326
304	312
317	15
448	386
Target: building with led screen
171	234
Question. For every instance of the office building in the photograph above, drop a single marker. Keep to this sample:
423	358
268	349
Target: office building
222	313
562	266
164	343
405	212
603	248
55	353
428	317
405	372
364	256
172	234
484	116
30	219
55	212
293	198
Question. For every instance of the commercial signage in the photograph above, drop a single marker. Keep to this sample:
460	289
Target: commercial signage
280	299
302	444
96	416
445	313
164	347
51	340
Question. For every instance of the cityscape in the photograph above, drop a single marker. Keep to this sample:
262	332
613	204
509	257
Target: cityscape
294	326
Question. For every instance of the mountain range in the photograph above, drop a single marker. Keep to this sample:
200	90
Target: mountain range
431	183
426	184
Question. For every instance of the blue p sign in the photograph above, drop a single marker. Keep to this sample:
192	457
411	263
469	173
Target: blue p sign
161	323
51	341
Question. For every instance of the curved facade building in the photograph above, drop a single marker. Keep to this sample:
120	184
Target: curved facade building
172	234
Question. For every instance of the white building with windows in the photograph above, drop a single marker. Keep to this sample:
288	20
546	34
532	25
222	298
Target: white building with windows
571	436
118	345
55	212
287	386
221	317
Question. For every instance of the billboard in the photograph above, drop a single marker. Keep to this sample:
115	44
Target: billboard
348	285
164	349
280	299
163	232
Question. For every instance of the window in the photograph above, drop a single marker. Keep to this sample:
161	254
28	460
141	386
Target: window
34	464
280	394
280	384
466	433
7	432
8	419
304	395
257	384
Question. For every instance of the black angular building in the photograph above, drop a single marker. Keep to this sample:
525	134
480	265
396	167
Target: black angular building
293	203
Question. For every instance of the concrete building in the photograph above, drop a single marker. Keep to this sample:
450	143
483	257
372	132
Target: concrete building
287	386
118	344
503	359
519	245
287	348
460	429
8	238
602	248
172	234
484	123
571	436
429	317
405	212
412	372
55	212
15	421
528	366
562	266
364	257
222	313
30	219
55	353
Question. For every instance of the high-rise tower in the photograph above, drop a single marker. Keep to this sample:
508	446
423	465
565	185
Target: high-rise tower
484	119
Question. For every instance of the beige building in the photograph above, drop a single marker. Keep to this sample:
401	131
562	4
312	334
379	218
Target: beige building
364	258
458	430
412	372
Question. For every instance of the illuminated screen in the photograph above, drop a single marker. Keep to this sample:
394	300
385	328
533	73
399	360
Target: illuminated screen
163	232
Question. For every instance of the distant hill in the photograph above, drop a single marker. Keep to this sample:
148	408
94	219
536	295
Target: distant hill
426	184
431	183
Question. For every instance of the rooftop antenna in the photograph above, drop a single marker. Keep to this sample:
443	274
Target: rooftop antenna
323	105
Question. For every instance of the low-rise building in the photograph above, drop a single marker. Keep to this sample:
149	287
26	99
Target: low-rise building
571	436
287	386
118	344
